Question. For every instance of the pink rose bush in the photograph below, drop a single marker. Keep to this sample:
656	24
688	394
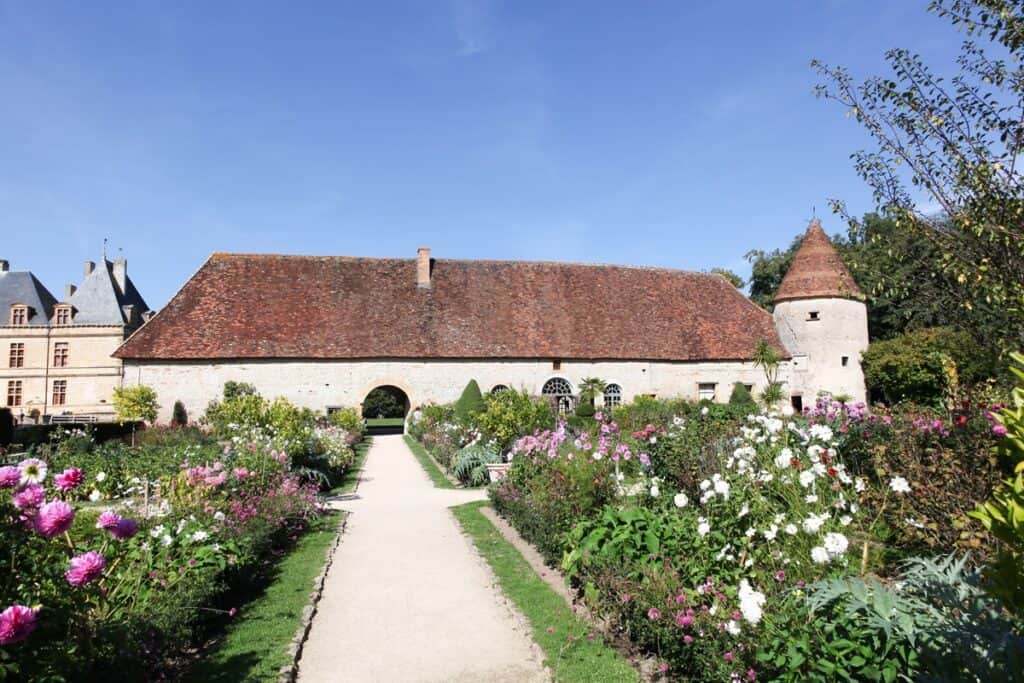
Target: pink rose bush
16	623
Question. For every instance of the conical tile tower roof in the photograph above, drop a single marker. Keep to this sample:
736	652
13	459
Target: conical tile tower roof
817	271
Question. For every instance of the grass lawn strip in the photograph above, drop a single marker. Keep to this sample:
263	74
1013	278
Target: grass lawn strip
350	481
257	642
430	465
385	421
571	655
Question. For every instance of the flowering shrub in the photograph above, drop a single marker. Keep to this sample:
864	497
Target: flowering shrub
950	464
555	480
88	589
701	547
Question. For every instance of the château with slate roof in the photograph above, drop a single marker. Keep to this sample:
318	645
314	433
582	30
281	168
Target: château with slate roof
56	361
323	331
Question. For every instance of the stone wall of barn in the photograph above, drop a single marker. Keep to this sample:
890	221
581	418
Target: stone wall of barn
322	384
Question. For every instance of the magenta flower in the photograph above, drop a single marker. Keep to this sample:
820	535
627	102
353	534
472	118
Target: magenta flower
16	623
999	430
626	597
10	476
687	639
29	497
85	568
663	667
125	528
728	656
653	614
69	479
685	622
54	518
108	520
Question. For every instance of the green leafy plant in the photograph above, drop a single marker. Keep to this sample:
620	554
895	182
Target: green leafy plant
135	404
740	395
934	623
471	464
179	416
768	359
1003	514
470	403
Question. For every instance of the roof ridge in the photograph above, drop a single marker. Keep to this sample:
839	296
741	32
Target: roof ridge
217	255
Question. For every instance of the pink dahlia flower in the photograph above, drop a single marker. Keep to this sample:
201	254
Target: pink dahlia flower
69	479
125	528
16	623
29	497
85	568
33	471
10	476
108	520
54	518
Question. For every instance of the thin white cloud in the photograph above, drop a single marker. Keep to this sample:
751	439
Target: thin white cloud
473	25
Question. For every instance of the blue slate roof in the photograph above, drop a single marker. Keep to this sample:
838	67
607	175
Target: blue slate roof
100	301
22	287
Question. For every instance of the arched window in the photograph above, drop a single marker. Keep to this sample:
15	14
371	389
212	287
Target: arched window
612	395
498	387
560	392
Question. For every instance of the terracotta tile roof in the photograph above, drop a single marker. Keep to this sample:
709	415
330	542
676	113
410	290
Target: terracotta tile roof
817	271
268	306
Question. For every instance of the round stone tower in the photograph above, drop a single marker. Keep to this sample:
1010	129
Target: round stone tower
823	322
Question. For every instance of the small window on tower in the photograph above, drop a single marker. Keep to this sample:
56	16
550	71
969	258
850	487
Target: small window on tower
556	365
813	315
846	361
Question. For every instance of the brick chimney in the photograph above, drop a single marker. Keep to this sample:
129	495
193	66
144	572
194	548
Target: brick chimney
4	266
121	273
89	267
423	267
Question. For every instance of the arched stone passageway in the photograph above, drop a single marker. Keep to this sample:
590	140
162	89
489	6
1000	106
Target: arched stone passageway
385	408
385	401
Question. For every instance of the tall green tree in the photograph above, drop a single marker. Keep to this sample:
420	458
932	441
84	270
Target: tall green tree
945	165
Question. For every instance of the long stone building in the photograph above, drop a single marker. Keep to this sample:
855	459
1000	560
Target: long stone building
325	331
58	353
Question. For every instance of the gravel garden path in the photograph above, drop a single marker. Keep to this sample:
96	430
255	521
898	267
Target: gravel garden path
407	598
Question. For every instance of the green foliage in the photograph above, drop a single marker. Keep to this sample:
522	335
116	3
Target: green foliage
734	279
957	140
384	402
470	403
179	417
740	396
585	409
233	389
347	419
590	387
511	414
241	411
936	625
767	358
1003	514
645	410
915	366
135	404
767	270
471	464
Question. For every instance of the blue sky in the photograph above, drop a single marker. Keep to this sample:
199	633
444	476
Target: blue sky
657	133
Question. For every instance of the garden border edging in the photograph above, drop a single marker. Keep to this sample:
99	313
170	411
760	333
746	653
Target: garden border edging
289	672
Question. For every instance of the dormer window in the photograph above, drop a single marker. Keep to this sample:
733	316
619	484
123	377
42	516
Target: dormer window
813	315
19	314
62	315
